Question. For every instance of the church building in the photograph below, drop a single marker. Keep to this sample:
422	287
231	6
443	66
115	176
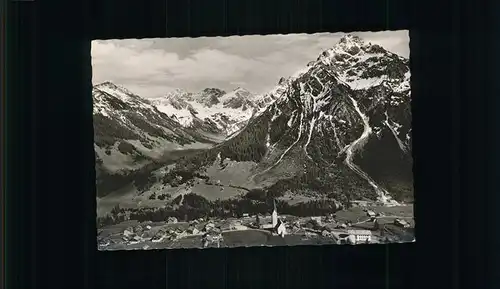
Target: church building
277	225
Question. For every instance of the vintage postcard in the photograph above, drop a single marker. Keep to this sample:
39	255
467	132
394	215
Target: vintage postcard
263	140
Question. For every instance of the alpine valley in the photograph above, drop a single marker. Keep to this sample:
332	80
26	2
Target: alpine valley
337	131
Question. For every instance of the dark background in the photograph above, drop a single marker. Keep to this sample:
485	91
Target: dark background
49	178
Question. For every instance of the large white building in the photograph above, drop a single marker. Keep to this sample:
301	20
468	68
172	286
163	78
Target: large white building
361	236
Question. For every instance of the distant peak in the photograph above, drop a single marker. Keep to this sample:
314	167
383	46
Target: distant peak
351	39
242	92
176	92
213	90
108	85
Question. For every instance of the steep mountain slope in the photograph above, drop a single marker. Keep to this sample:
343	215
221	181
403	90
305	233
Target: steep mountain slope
129	132
212	110
340	127
351	108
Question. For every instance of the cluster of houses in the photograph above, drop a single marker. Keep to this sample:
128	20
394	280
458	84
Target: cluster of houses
135	235
211	232
337	231
278	227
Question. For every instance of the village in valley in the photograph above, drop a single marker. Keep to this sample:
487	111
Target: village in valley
362	224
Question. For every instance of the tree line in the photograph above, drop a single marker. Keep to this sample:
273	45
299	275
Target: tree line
195	207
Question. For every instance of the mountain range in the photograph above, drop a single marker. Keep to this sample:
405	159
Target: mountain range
340	128
212	110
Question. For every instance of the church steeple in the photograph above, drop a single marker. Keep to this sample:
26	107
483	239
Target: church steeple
274	215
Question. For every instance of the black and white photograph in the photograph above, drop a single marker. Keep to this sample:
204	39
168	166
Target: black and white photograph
259	140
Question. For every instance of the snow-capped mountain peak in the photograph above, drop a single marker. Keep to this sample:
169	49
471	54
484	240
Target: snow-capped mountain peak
109	97
349	38
115	90
238	94
178	94
209	96
360	64
348	41
211	92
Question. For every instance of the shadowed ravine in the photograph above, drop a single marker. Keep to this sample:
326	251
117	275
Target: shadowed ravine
357	145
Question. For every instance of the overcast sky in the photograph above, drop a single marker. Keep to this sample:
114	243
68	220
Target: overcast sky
152	67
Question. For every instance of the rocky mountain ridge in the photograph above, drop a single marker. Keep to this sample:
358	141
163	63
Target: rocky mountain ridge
130	132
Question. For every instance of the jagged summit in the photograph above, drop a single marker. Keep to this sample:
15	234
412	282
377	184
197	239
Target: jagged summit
210	96
240	93
106	85
103	91
213	91
177	93
351	40
348	45
360	64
